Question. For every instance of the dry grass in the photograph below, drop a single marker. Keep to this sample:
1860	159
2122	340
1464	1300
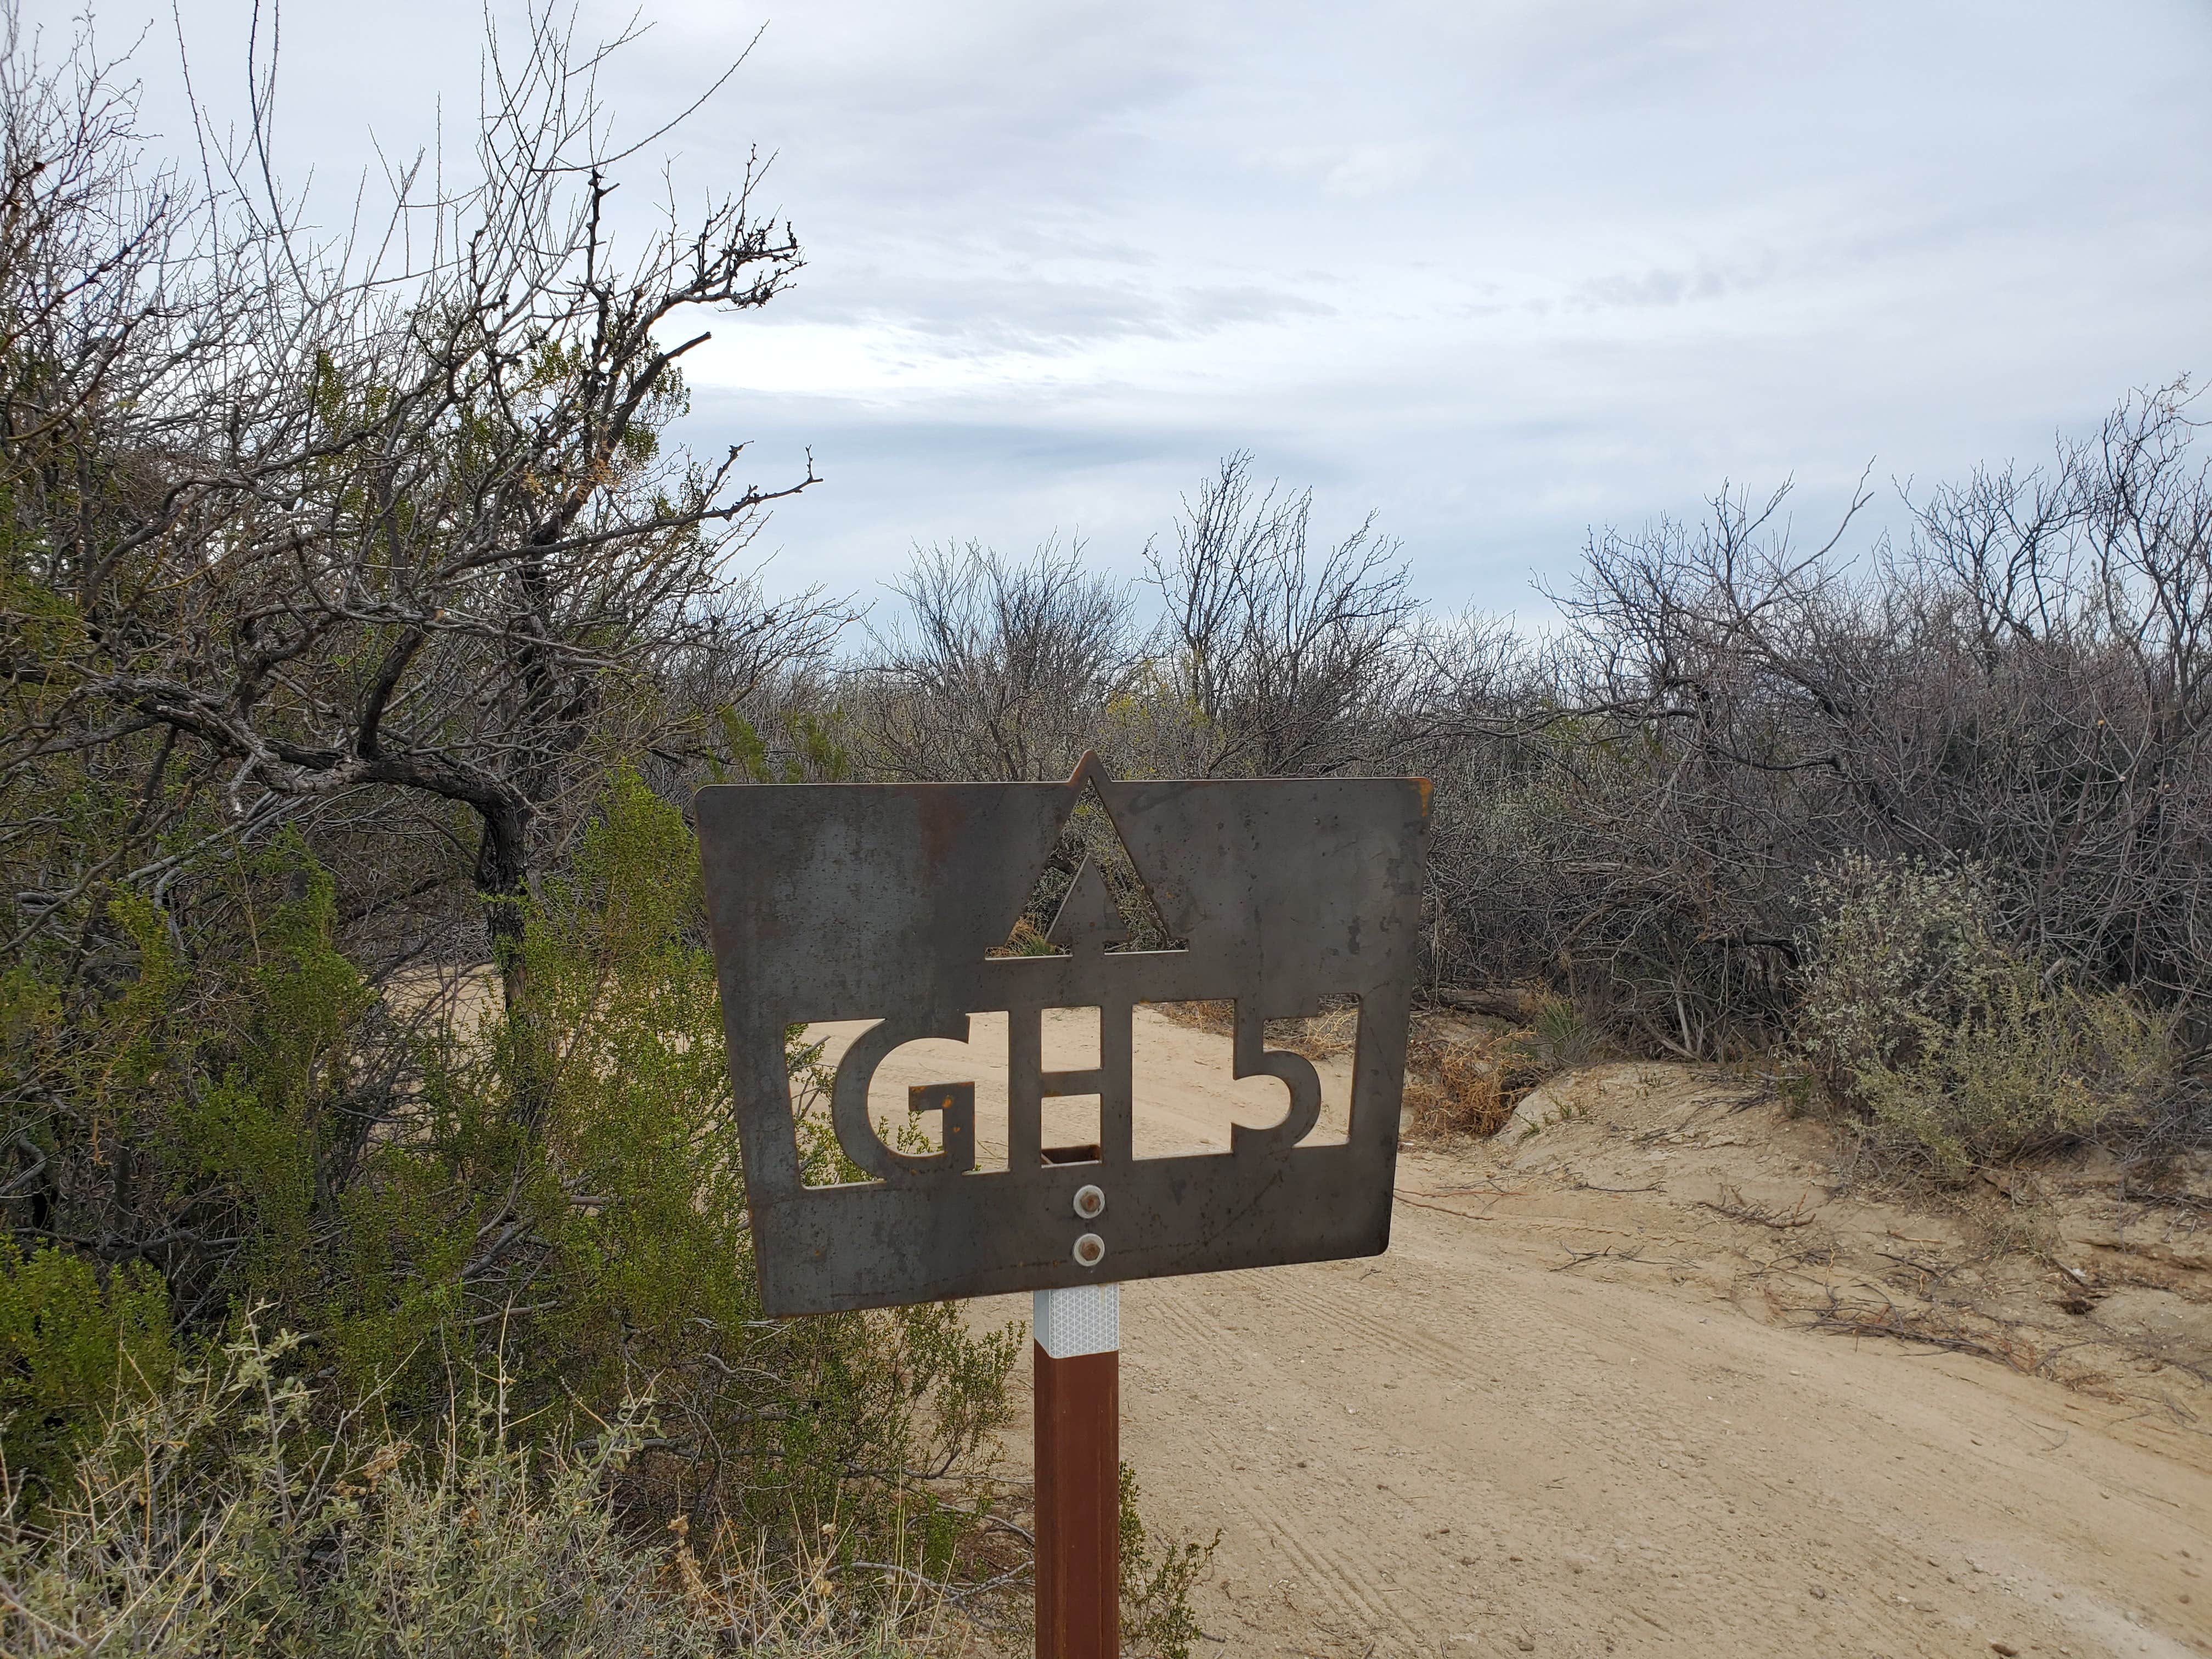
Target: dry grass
1453	1088
1331	1032
1464	1081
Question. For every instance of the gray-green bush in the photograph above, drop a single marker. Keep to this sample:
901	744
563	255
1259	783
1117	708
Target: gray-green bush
234	1513
1956	1046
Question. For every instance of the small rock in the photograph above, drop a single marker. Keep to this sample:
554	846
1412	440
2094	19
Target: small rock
1816	1592
2009	1652
1524	1645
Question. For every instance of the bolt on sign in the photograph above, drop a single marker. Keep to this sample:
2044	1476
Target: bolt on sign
892	903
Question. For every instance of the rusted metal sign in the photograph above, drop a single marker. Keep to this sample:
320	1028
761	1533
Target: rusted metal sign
886	902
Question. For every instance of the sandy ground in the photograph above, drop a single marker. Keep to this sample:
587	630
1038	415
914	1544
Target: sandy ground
1599	1397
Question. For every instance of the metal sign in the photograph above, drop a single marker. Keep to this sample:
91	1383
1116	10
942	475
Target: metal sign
886	902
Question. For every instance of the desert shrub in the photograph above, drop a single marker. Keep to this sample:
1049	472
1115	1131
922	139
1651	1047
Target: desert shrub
184	1104
240	1512
1630	809
1157	1577
1953	1044
1898	953
1627	810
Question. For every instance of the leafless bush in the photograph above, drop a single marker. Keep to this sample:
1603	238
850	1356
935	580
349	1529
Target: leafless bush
2021	684
1269	658
1630	813
998	669
1281	661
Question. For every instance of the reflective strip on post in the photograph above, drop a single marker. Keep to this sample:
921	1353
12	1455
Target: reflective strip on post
1082	1319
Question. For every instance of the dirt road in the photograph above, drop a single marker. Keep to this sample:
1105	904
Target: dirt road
1553	1420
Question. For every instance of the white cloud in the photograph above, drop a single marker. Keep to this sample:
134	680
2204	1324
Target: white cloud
1495	270
1354	169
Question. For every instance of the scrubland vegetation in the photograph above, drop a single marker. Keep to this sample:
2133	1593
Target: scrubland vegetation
1923	822
363	625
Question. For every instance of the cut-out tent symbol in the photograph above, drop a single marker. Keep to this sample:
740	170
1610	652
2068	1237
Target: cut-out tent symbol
1092	912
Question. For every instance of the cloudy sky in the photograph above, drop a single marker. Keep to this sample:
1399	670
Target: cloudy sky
1496	272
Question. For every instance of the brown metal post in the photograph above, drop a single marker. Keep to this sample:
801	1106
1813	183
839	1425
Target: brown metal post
1078	1504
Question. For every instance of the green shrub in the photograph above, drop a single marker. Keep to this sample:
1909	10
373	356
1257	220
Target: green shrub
572	1192
1954	1045
560	1184
73	1342
194	1105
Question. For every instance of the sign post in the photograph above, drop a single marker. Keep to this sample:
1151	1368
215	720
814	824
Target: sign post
888	901
1076	1361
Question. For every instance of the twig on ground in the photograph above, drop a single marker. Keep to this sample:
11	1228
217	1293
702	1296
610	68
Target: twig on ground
1732	1204
1576	1258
